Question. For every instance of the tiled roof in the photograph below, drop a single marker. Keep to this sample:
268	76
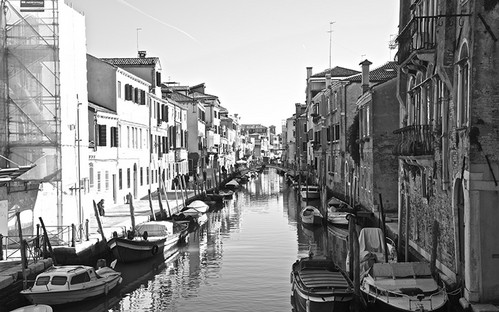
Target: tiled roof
380	74
131	61
179	97
199	95
336	72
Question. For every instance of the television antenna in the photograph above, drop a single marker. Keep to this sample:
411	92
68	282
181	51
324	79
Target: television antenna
330	31
392	43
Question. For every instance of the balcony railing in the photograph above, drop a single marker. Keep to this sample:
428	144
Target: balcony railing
416	140
418	34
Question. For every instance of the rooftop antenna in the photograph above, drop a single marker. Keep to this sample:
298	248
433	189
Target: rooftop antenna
392	44
330	40
138	29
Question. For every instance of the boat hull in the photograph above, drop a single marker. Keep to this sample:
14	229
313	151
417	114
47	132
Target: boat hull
101	287
126	250
376	303
301	301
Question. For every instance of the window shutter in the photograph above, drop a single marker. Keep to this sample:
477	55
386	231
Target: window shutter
102	135
142	97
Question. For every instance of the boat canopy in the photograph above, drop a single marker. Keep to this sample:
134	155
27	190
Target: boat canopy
155	228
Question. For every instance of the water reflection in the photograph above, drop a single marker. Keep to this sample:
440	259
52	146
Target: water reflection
238	260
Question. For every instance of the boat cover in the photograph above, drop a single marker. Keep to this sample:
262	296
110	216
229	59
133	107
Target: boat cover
155	228
371	242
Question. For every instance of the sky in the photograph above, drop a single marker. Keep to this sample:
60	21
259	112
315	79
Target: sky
251	54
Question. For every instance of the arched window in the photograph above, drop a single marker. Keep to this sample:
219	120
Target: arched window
463	87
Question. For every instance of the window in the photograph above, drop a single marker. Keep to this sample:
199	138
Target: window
119	89
367	131
128	136
147	175
463	88
59	280
44	280
80	278
128	177
114	137
106	179
141	176
91	174
102	135
98	181
120	179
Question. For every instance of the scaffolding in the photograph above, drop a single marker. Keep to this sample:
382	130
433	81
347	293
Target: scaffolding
30	91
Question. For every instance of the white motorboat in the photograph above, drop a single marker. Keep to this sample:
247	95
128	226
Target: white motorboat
34	308
71	283
310	215
400	286
338	211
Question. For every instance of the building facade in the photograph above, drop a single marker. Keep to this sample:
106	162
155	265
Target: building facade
448	150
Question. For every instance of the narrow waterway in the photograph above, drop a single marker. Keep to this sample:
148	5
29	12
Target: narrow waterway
239	260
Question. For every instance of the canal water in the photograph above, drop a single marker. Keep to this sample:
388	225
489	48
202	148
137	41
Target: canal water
239	260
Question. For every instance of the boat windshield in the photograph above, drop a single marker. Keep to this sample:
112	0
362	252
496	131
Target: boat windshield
42	280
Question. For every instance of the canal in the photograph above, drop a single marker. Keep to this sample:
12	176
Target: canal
239	260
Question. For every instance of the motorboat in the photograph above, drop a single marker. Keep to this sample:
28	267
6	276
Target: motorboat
34	308
311	215
71	283
148	240
396	286
338	212
309	192
318	284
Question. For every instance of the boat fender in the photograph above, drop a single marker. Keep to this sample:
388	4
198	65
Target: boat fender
106	289
155	249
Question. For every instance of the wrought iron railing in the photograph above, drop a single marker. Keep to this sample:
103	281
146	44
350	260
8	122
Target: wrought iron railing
415	140
418	34
36	245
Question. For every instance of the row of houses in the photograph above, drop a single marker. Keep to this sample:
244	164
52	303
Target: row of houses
79	128
418	137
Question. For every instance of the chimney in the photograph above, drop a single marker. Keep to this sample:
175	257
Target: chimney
309	72
365	75
142	54
328	81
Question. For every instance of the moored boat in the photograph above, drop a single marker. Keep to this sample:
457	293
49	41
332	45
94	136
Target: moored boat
318	284
309	192
34	308
148	240
310	215
396	286
338	211
71	283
